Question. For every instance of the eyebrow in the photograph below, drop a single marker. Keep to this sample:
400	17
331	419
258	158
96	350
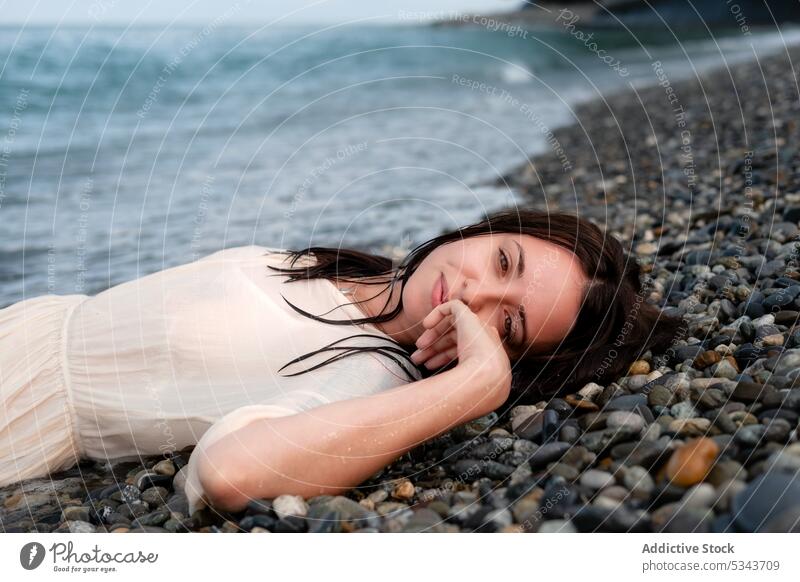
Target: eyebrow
520	271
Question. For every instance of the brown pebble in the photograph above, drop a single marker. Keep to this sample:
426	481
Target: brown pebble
732	361
639	367
573	400
743	418
404	490
690	463
706	359
690	426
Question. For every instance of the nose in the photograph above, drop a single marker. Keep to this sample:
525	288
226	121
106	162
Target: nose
486	296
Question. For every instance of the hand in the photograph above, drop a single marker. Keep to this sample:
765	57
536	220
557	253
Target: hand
454	332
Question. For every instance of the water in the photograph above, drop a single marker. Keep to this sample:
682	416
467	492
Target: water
124	151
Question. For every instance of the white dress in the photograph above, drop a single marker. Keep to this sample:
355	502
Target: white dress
175	358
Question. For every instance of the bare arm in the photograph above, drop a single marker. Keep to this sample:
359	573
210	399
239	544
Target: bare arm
334	447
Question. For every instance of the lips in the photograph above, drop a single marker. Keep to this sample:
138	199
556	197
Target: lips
439	291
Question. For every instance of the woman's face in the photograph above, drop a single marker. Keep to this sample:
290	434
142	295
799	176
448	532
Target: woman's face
484	273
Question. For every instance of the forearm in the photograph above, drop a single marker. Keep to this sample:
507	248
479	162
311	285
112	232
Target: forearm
334	447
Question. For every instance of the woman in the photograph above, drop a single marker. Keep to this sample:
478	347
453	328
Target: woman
231	354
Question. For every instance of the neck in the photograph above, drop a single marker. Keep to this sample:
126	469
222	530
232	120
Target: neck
371	300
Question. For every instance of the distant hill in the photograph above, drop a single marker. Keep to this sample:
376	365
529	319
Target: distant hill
742	14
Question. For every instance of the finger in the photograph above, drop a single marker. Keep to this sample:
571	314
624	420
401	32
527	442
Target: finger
442	358
438	346
442	310
430	335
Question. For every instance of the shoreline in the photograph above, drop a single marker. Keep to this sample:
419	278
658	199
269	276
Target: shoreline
671	146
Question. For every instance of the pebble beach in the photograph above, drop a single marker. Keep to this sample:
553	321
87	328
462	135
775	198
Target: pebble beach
700	180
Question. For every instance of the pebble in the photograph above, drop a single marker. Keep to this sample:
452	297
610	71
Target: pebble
700	496
590	391
764	498
404	490
628	420
286	505
690	463
638	481
594	479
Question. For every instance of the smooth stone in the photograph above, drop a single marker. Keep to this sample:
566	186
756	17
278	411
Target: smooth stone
690	426
286	505
710	398
590	391
725	470
750	435
155	496
154	518
691	352
748	391
597	441
706	359
548	453
568	472
569	434
765	497
782	460
628	402
660	396
775	339
165	467
638	481
75	513
539	427
178	503
349	510
595	479
690	463
700	496
683	410
643	453
559	498
636	382
404	490
629	420
724	369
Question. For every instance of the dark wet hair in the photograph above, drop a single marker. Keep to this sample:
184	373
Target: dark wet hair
616	323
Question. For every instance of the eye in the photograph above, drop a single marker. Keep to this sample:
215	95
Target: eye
509	329
503	259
